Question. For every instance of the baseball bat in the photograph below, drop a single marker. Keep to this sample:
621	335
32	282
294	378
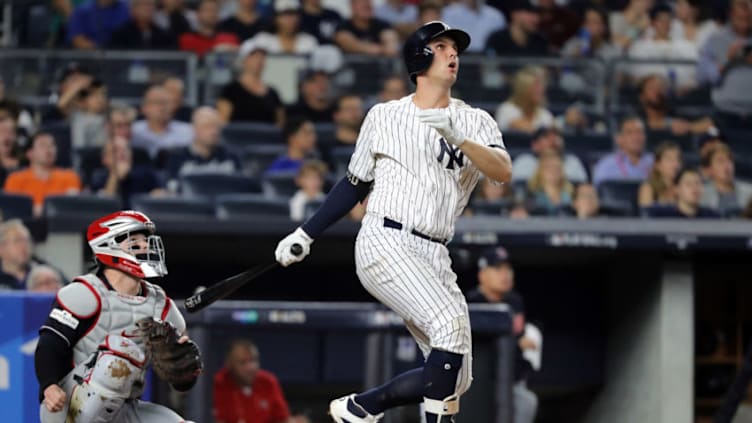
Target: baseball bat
225	287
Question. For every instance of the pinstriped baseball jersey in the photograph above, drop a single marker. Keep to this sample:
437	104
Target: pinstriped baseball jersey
419	178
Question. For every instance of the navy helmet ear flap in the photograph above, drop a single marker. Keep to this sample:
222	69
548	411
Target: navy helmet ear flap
421	62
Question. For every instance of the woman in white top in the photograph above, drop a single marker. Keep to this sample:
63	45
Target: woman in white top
690	24
525	111
287	38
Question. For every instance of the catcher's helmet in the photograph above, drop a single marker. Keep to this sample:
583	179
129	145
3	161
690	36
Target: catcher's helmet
106	235
418	56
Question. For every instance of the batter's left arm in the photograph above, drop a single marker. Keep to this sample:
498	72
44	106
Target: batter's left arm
492	161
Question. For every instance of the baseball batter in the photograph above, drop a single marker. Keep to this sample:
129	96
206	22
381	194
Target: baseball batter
91	359
420	158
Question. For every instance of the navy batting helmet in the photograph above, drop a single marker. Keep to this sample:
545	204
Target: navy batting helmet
418	56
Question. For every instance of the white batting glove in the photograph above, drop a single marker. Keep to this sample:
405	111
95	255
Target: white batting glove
440	120
283	253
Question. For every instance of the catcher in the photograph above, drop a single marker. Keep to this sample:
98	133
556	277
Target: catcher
105	327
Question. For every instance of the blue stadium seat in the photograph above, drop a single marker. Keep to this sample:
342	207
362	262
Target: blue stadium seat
15	206
212	185
619	194
233	206
340	157
173	207
257	158
246	133
654	138
79	206
281	184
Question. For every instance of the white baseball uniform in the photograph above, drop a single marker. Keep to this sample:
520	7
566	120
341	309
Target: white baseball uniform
421	185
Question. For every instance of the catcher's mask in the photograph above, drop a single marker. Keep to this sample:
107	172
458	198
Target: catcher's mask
115	243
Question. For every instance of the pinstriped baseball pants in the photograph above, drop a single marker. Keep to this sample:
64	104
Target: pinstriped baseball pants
413	277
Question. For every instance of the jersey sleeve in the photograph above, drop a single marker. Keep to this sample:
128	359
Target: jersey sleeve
363	162
75	311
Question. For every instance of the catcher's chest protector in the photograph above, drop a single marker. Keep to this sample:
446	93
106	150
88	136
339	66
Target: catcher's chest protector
118	315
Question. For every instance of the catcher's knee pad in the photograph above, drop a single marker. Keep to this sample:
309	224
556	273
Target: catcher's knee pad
119	366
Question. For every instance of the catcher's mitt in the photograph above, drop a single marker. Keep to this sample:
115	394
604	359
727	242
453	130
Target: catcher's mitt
176	363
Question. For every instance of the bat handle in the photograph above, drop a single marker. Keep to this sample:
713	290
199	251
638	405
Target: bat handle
296	249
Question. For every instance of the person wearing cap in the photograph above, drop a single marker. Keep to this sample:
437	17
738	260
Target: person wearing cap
245	23
207	37
248	98
496	285
659	47
521	38
365	34
722	191
547	138
285	36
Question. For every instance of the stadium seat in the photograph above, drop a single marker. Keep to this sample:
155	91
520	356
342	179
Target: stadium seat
79	206
257	158
15	206
280	184
212	184
233	206
173	207
340	158
491	208
61	131
85	161
654	138
246	133
619	194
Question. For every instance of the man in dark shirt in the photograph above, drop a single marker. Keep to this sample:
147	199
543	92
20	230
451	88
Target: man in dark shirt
521	38
314	103
319	21
364	34
245	23
688	194
205	154
495	285
139	32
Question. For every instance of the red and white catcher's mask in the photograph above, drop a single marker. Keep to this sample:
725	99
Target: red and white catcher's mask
110	239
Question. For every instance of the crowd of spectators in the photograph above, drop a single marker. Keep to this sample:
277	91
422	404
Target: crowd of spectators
122	150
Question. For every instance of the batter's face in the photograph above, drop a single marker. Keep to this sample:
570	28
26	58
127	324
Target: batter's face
446	60
243	364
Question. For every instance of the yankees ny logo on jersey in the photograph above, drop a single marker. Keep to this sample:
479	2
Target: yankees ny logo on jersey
453	153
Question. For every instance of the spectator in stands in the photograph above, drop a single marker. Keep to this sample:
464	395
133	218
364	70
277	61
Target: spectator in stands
429	11
176	88
732	104
393	88
286	37
158	131
656	110
120	177
319	21
206	154
548	188
558	23
491	198
44	278
139	32
364	34
11	108
73	80
249	98
245	23
722	191
243	392
688	195
88	116
120	121
9	148
15	255
629	24
348	117
301	144
207	38
691	22
496	285
521	38
400	14
310	182
660	46
92	23
315	102
175	18
525	110
547	139
593	40
659	188
629	161
585	202
42	178
727	43
489	191
477	18
61	11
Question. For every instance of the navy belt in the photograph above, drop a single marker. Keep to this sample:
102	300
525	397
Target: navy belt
389	223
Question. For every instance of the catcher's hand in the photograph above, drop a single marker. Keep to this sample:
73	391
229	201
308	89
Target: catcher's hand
175	359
